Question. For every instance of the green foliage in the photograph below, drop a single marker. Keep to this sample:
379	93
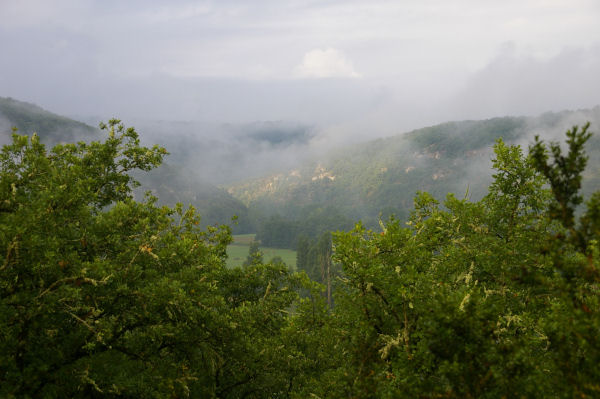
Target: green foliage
255	255
280	232
302	250
314	258
565	176
277	232
574	323
238	251
172	183
104	296
470	300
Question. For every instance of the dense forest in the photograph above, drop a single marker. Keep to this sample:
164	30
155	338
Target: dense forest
103	295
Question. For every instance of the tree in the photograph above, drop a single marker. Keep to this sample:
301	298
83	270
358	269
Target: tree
302	249
565	175
255	255
104	296
573	325
324	253
277	260
487	299
450	305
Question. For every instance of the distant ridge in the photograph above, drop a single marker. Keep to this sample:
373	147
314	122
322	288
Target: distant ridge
170	183
30	118
380	177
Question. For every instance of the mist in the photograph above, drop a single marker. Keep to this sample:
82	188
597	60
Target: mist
205	78
222	154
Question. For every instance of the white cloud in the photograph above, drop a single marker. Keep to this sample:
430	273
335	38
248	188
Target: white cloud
328	63
517	83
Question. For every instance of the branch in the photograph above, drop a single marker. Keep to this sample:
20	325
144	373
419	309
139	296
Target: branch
69	280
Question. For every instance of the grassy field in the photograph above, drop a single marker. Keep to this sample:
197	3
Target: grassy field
238	251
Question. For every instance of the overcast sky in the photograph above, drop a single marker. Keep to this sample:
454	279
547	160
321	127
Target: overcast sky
359	68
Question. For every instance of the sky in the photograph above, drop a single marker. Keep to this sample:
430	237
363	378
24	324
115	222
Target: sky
354	69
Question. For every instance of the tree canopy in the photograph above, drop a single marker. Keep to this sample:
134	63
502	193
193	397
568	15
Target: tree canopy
103	296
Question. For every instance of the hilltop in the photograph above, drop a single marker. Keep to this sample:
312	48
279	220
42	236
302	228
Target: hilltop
29	118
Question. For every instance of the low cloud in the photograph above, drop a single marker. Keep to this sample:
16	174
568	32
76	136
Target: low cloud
521	84
327	63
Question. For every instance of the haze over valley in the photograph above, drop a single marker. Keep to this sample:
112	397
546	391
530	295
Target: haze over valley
238	91
299	199
352	70
271	178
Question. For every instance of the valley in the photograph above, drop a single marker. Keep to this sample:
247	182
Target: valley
300	199
402	249
369	181
237	252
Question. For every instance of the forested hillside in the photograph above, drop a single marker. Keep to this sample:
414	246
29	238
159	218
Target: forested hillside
299	199
172	182
360	182
29	118
380	178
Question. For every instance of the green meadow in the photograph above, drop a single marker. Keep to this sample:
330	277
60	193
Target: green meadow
238	251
